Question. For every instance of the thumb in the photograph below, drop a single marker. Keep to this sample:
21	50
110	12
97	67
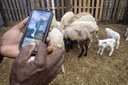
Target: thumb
25	53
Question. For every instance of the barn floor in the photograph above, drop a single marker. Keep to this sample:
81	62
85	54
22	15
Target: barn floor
90	70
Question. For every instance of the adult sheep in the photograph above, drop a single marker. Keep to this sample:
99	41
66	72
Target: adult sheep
65	18
79	34
85	16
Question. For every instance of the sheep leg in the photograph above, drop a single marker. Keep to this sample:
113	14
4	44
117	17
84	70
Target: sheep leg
117	44
126	32
99	50
87	42
67	44
63	70
102	50
112	49
127	38
82	50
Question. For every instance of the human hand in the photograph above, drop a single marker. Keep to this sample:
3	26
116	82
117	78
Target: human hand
11	39
42	70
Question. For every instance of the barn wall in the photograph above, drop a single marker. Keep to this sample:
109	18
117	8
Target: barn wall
102	10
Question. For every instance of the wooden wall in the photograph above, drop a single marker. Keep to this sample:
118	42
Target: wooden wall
102	10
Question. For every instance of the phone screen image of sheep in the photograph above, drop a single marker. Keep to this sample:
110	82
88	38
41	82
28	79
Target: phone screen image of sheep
92	69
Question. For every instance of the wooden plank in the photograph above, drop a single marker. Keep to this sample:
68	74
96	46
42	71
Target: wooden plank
92	9
11	8
62	5
71	5
123	9
97	10
42	4
58	9
88	9
111	7
101	10
125	17
15	10
67	4
18	8
48	4
75	6
32	4
29	7
80	6
25	7
84	6
22	9
37	4
115	10
6	9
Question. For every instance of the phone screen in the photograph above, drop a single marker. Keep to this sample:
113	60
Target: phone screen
37	27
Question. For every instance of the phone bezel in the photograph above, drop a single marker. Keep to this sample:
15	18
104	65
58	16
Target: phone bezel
47	28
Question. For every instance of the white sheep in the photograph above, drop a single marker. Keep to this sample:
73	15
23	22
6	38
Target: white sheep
57	40
79	34
113	34
90	26
126	34
65	18
106	43
82	17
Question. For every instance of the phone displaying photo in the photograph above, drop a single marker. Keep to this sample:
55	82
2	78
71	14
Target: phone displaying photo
37	27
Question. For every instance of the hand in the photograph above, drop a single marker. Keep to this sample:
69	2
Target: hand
42	70
11	39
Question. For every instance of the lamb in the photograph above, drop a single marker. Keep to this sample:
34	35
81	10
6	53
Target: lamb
126	34
106	43
114	35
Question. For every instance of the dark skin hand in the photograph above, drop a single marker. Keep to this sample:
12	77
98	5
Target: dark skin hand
11	40
42	70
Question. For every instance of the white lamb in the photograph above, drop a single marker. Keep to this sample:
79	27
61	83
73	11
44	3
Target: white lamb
106	43
114	35
126	34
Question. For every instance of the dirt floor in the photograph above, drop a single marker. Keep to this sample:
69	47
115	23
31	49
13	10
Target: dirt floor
92	69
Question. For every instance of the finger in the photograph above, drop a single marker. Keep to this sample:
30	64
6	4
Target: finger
40	57
50	49
55	57
48	40
25	53
21	25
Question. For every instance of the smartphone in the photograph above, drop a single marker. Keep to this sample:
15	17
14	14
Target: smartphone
37	27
